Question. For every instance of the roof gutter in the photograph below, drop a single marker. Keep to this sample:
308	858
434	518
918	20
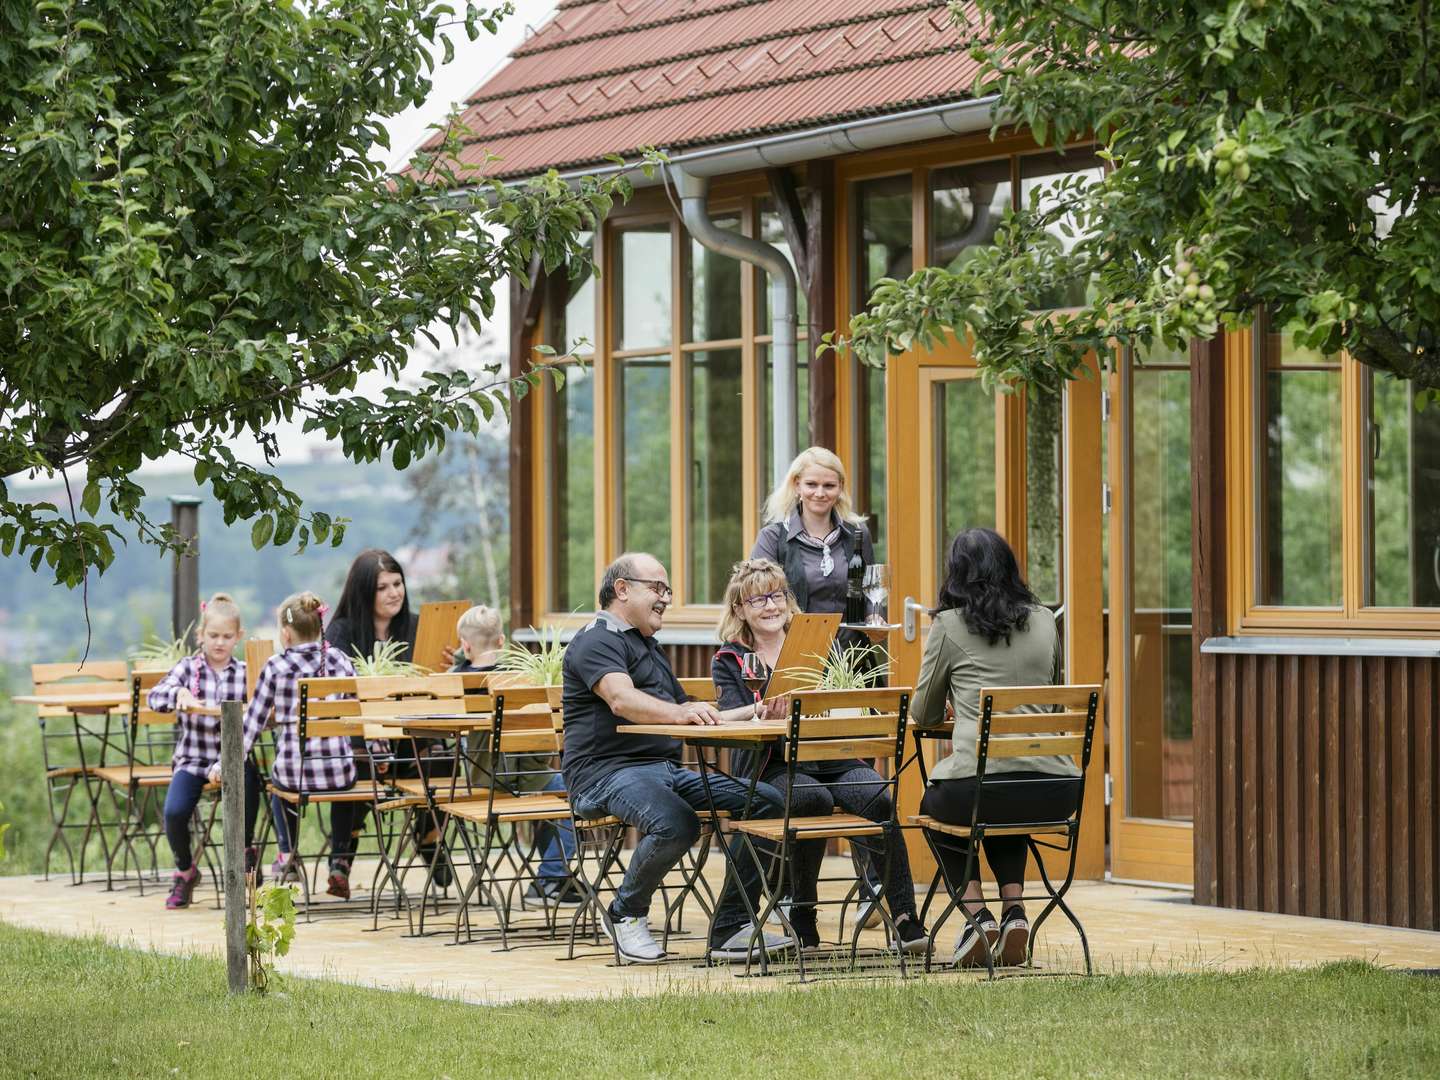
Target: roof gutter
791	147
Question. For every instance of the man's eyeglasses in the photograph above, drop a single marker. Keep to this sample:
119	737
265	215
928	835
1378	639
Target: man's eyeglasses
659	588
757	603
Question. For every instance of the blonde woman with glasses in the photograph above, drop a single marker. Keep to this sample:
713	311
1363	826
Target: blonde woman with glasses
758	607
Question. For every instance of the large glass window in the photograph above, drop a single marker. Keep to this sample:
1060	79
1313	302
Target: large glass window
644	402
884	227
802	407
643	287
967	204
715	466
1300	474
1402	496
772	232
1159	754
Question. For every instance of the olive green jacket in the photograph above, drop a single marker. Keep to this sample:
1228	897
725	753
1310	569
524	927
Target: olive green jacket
957	664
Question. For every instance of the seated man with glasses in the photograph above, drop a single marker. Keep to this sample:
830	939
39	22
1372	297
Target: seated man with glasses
615	674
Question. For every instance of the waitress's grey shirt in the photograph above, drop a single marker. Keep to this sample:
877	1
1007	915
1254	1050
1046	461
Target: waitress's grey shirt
958	664
826	591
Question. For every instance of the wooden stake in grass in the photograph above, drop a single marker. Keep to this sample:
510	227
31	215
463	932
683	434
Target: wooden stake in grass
232	862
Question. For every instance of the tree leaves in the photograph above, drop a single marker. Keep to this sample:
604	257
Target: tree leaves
198	245
1281	155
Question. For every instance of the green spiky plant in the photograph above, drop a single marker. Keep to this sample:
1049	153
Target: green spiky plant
858	668
157	652
384	659
542	666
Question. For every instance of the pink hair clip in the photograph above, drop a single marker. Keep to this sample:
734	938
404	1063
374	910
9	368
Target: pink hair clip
323	610
202	607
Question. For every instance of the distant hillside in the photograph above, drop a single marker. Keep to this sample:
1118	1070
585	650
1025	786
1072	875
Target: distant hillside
42	621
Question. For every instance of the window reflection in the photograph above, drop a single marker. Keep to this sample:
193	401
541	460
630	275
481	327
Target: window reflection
772	232
645	455
1402	489
572	446
1159	751
967	204
714	463
642	287
1300	474
714	290
767	411
1044	423
963	444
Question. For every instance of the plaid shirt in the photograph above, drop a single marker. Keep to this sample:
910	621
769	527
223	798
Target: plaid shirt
329	763
197	737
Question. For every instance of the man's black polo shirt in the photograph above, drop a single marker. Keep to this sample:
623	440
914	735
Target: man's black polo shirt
593	748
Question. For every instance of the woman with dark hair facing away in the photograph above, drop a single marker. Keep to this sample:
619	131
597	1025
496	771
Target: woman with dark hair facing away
373	608
988	630
758	607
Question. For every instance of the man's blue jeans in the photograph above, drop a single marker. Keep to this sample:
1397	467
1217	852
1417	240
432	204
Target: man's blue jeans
660	799
559	841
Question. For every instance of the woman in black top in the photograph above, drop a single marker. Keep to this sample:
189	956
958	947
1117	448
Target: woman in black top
373	608
758	608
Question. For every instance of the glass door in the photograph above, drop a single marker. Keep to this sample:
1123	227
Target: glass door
1151	750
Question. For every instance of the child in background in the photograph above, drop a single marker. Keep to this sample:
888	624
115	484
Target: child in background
209	677
481	640
329	763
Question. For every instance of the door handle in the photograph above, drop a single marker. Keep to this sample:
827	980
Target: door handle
913	610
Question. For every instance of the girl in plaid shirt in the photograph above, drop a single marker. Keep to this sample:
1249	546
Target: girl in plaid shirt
327	764
209	677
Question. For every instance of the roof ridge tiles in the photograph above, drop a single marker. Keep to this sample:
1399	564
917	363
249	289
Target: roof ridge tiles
703	95
911	8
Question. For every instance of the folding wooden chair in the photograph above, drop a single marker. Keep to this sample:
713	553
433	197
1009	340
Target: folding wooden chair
502	860
1017	721
71	747
826	725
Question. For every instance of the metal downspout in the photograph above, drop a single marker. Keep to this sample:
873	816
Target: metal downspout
692	190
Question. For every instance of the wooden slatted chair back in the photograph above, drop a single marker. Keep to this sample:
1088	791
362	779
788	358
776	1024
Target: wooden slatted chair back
91	677
341	705
831	724
1037	721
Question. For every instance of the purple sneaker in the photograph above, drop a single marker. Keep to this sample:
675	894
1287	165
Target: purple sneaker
182	889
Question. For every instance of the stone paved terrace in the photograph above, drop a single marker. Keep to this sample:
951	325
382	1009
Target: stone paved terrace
1130	928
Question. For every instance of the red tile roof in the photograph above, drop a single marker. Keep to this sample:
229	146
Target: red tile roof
614	76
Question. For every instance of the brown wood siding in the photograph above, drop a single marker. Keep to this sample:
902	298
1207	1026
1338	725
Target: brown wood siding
1326	769
690	661
1315	776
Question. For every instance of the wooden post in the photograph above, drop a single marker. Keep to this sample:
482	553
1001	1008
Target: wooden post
185	580
232	858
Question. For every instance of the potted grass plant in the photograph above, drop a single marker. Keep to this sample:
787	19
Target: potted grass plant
385	660
540	666
159	654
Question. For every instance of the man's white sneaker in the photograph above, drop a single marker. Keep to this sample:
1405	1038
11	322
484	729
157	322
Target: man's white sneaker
737	945
632	939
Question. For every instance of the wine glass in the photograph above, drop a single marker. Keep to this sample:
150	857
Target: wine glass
755	672
876	586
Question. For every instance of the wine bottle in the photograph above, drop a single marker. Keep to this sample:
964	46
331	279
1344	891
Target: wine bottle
854	591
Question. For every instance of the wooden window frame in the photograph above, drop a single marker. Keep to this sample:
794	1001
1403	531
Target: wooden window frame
1244	444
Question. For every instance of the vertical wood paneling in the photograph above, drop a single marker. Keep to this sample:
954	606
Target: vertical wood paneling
1330	799
1374	720
1325	772
1423	803
1268	769
1401	856
1291	766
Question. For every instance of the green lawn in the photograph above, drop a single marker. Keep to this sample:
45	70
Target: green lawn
81	1008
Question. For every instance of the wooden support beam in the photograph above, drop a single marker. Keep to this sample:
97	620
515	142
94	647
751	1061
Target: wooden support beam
525	306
